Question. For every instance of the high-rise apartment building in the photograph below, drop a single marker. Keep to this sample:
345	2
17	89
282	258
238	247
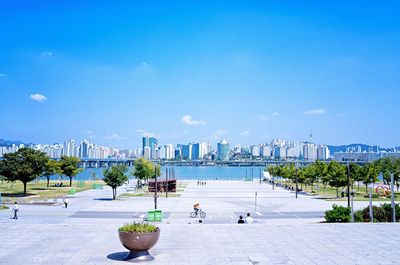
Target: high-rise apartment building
152	143
323	152
223	150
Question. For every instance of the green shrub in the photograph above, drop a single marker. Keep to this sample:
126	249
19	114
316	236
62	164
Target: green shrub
387	207
374	196
2	207
338	214
138	228
380	215
358	216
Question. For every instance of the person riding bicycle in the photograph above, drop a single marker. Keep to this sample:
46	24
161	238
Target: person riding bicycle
196	207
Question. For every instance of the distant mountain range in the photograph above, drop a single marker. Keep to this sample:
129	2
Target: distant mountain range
364	148
8	143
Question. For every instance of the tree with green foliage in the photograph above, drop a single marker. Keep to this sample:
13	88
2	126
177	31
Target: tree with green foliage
356	174
337	176
387	166
70	167
115	176
370	171
24	165
144	169
51	167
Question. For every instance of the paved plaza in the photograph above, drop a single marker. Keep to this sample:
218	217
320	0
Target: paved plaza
286	230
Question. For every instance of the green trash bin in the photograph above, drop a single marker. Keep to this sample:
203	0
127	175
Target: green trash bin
81	184
72	191
150	216
158	215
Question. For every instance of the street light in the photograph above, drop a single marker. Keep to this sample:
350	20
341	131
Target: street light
352	209
371	212
348	184
297	177
155	187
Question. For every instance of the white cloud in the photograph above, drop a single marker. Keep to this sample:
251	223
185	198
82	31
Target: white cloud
216	135
341	115
275	113
188	120
38	97
264	117
145	133
114	136
47	53
315	112
89	133
3	75
220	132
245	133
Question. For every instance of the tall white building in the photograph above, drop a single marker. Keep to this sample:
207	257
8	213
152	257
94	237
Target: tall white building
323	153
265	151
255	150
310	151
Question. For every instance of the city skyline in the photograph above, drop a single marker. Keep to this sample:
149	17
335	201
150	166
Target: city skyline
112	73
277	149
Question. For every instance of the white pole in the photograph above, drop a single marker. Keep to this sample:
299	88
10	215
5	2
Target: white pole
392	195
255	202
371	212
352	209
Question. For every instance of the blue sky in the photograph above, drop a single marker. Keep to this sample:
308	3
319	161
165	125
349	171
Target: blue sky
247	71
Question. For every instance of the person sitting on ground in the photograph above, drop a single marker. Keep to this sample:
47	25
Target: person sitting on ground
196	207
241	221
249	219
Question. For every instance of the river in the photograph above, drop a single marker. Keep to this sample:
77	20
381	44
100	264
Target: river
191	172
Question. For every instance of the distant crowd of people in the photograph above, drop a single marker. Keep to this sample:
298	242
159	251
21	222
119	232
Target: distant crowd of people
201	182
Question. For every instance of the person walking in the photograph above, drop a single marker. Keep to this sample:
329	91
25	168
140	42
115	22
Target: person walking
15	210
66	201
249	219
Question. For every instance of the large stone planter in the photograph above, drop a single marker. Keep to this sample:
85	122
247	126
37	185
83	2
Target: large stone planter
139	244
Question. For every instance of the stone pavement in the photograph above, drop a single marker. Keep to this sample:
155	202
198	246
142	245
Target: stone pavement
286	231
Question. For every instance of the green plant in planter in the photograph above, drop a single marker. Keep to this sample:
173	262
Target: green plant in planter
138	228
338	214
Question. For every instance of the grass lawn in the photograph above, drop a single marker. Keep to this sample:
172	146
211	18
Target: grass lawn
38	191
2	207
329	193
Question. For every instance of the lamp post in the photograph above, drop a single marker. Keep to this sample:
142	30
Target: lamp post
297	178
371	212
392	197
352	211
260	175
167	172
155	187
348	184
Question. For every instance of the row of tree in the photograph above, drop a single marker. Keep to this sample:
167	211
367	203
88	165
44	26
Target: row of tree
337	175
28	164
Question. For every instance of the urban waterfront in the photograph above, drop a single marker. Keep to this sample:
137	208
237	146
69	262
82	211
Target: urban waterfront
190	173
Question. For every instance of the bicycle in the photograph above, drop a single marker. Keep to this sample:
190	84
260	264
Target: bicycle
199	213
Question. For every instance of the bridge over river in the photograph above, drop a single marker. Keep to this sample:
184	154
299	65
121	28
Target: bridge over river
95	163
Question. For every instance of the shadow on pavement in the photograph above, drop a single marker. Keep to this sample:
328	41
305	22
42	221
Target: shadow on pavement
120	256
103	199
